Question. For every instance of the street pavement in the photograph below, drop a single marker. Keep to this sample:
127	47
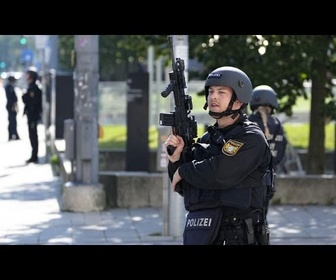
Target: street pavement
30	212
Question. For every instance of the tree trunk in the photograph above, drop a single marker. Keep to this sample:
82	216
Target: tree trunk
316	164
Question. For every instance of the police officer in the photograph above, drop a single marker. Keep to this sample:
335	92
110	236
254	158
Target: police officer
12	108
32	100
264	104
224	183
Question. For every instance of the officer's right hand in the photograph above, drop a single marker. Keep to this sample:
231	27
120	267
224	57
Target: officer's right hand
177	142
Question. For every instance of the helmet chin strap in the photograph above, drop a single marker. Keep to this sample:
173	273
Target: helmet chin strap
227	112
217	116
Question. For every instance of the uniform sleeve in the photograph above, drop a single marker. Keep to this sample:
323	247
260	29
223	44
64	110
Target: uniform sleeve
33	102
172	167
238	159
15	99
280	143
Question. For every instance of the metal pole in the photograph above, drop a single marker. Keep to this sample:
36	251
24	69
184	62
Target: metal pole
45	105
41	42
150	69
165	203
52	62
335	147
52	133
172	203
177	211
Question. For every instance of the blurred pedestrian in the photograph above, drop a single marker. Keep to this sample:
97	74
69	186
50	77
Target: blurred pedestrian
12	108
32	100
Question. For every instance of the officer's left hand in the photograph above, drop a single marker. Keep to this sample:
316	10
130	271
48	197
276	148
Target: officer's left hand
176	178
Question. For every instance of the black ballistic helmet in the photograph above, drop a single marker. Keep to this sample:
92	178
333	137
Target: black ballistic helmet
33	72
231	77
264	95
11	78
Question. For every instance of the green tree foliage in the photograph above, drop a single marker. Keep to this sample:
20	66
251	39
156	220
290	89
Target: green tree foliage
118	54
66	53
284	62
126	54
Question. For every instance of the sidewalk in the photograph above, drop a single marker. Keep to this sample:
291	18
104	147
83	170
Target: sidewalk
30	213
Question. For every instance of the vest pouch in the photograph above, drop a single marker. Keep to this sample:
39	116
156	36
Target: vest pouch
202	226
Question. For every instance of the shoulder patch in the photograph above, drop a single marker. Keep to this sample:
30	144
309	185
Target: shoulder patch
32	94
231	147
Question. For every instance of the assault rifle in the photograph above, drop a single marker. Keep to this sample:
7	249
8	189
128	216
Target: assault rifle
182	123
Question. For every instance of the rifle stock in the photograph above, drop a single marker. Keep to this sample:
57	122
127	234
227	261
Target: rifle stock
182	123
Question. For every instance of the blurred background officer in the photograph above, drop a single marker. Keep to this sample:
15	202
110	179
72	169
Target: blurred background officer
32	100
263	105
223	185
12	108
